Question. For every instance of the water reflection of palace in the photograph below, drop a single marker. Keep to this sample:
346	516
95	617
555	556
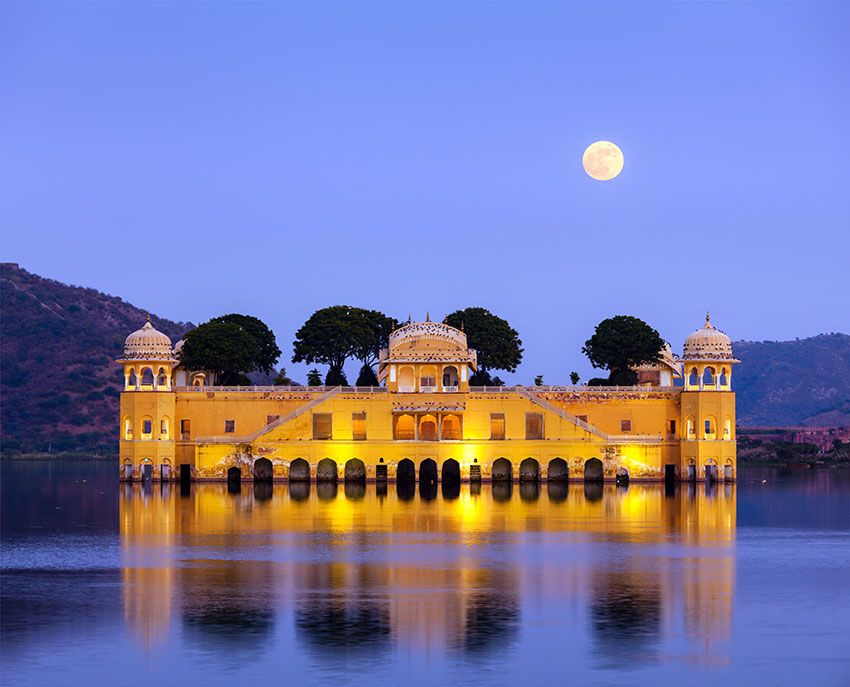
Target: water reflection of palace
367	569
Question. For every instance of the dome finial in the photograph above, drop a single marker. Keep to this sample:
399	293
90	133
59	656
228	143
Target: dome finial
149	317
409	318
708	324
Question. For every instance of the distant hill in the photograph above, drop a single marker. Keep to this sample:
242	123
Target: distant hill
58	379
802	382
59	384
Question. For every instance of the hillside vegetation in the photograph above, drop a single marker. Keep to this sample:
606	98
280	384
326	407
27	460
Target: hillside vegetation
59	384
781	383
58	378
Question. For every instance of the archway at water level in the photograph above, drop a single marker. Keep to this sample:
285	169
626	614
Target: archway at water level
529	470
355	471
593	471
558	470
326	470
451	471
406	471
263	470
502	470
299	470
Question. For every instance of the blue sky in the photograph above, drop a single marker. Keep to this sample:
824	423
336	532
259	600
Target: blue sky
202	158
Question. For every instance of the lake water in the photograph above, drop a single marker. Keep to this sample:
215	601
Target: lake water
113	584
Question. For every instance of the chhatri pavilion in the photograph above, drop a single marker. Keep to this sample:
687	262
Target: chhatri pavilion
426	422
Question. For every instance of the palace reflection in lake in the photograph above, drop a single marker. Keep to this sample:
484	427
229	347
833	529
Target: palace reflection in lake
359	570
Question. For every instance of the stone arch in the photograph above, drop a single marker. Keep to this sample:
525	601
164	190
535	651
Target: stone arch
147	428
450	377
355	470
427	376
132	379
299	470
405	471
428	428
502	470
710	470
428	471
593	470
165	470
723	380
691	427
127	469
558	470
234	478
710	427
326	470
147	377
161	377
146	469
128	428
263	470
450	427
709	376
622	475
693	377
405	427
165	428
451	471
406	378
529	470
727	470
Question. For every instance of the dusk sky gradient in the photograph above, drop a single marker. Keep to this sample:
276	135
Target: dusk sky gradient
271	159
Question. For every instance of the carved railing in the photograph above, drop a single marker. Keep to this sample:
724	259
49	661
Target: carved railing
287	389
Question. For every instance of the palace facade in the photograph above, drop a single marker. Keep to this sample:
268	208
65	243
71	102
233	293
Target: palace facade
426	422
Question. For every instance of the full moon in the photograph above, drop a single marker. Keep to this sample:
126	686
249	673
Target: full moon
602	160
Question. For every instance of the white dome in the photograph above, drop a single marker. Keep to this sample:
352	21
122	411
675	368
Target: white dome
147	344
708	343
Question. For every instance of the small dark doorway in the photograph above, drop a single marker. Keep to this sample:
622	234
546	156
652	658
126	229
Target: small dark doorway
381	472
234	479
669	475
406	471
428	471
593	471
451	471
558	471
147	472
185	473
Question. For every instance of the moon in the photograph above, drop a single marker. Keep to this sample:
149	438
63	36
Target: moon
602	160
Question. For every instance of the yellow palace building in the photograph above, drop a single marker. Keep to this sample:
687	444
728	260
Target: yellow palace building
426	422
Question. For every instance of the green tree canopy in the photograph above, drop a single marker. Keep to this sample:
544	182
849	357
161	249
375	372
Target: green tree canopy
332	335
314	378
267	350
497	343
222	347
367	376
621	343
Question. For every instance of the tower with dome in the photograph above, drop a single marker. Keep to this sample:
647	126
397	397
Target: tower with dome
426	423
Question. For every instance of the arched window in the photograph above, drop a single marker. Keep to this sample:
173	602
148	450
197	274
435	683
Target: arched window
128	429
450	378
724	378
406	380
164	428
147	427
691	426
451	427
428	428
693	380
404	427
161	378
727	428
147	377
710	427
428	378
133	380
708	377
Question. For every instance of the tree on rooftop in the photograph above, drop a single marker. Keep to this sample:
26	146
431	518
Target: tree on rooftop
266	345
621	343
314	378
497	343
367	376
223	348
332	335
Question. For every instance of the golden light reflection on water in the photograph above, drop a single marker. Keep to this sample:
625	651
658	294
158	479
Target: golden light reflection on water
432	572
